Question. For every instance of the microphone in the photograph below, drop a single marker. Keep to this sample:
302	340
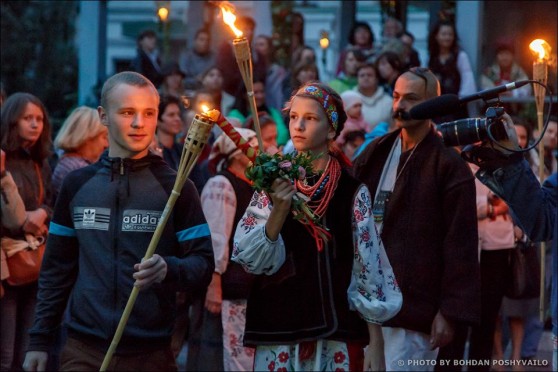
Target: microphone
449	103
439	106
493	92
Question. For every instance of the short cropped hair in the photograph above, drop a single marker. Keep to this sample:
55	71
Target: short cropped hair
427	76
125	77
82	125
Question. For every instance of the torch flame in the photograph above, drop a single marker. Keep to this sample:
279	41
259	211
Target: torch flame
229	17
541	47
210	113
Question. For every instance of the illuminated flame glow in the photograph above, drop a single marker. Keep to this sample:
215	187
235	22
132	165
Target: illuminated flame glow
163	13
541	47
210	113
229	17
324	39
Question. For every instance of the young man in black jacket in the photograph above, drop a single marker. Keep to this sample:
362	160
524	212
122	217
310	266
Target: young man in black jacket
103	222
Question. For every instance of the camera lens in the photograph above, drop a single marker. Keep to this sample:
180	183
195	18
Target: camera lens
463	132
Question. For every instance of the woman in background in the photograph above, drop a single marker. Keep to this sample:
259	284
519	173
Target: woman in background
212	81
361	38
376	103
347	78
224	199
389	68
451	66
505	70
26	142
275	74
12	209
82	138
169	125
297	36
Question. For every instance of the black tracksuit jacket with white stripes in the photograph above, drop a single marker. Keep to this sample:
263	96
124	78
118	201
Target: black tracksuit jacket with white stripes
103	221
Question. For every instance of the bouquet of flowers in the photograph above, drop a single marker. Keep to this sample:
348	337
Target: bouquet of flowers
266	168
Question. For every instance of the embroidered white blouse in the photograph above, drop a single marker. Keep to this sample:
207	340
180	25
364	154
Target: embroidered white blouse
373	290
218	202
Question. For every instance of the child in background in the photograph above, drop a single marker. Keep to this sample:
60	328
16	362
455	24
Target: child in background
353	141
352	103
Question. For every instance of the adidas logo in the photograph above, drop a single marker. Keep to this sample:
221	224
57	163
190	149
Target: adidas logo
140	220
88	216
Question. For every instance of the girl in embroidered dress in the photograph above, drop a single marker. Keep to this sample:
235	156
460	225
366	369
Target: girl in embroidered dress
312	308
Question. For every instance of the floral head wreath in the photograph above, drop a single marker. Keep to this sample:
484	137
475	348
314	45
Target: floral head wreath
325	100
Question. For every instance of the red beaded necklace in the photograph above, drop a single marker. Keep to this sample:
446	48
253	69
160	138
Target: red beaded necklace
320	195
322	191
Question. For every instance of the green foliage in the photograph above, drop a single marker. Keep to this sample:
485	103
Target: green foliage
38	52
267	168
281	17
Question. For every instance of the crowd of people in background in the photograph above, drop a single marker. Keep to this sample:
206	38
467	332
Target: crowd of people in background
374	79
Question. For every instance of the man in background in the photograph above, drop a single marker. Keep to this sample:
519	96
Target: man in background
147	61
195	61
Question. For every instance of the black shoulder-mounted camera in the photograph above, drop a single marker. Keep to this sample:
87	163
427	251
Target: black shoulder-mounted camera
466	131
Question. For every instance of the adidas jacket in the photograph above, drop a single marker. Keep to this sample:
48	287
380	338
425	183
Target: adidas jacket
103	221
